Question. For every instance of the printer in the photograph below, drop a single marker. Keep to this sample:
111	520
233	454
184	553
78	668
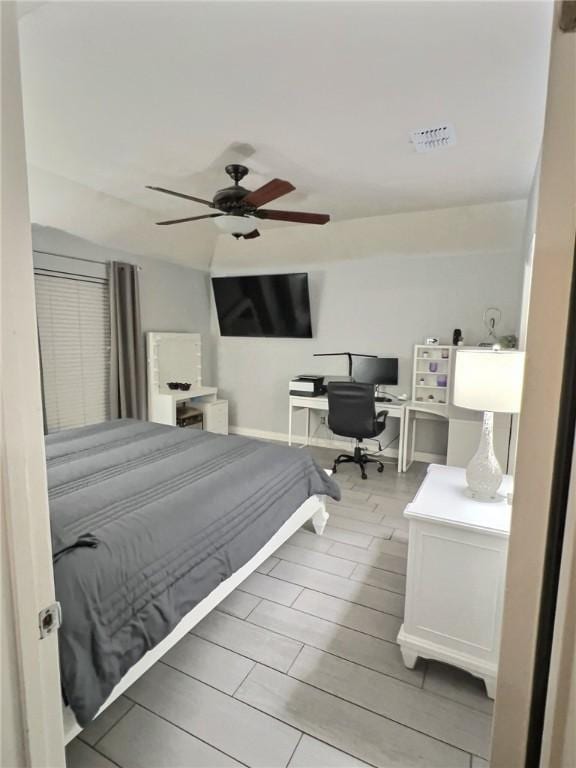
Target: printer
307	386
312	385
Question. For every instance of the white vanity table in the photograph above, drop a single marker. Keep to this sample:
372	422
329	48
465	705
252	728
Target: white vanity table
456	572
178	357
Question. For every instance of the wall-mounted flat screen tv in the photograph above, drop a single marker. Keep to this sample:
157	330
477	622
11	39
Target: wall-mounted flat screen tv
263	305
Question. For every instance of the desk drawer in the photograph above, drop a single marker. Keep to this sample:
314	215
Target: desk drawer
314	403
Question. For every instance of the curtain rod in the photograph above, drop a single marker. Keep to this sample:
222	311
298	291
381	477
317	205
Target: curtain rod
43	272
65	256
77	258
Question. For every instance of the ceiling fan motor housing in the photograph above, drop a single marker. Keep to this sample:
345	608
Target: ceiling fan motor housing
229	200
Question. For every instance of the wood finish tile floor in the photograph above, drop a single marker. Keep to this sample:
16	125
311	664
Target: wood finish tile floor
300	667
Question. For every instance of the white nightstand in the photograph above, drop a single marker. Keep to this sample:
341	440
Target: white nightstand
455	580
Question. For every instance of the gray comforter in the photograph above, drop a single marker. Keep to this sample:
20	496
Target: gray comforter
146	521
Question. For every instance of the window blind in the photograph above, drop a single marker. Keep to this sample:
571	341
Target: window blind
74	332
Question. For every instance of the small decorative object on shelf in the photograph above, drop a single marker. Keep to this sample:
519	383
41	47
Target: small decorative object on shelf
457	337
187	416
445	354
442	380
425	353
184	386
422	381
508	342
432	340
492	318
433	367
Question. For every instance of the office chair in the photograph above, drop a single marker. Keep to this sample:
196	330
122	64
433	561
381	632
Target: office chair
352	413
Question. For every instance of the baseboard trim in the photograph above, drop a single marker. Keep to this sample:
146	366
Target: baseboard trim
430	458
319	442
336	443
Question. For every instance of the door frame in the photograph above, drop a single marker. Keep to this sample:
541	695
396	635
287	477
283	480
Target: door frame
25	518
558	552
558	738
540	493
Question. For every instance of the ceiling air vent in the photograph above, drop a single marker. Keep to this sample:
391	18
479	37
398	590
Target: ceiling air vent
429	139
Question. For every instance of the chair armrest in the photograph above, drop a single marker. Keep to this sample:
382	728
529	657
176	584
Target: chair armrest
382	420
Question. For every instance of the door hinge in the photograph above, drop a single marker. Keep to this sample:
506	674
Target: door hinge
49	619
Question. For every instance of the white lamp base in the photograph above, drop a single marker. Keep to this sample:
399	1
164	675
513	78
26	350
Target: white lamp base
495	499
483	473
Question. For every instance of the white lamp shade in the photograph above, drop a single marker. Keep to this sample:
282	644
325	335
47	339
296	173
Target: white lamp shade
489	380
237	225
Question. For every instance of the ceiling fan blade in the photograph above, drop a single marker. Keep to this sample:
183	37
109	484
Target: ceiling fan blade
270	191
190	218
297	216
252	235
180	194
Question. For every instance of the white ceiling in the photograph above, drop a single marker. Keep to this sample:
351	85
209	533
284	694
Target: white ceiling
118	95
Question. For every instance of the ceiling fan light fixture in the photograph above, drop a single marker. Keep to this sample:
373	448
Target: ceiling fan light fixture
237	225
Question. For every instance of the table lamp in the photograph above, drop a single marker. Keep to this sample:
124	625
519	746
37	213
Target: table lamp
487	380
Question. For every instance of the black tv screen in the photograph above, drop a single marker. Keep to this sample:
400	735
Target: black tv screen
263	305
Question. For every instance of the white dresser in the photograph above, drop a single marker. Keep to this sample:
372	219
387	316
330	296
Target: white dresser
456	571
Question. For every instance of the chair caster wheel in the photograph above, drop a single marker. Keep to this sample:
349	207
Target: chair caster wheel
364	476
334	470
380	469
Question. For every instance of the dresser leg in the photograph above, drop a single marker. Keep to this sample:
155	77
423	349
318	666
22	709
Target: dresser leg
490	683
408	657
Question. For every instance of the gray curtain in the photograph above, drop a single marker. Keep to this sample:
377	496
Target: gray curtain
127	365
44	419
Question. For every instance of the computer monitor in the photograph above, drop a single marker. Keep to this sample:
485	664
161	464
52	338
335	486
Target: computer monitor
375	370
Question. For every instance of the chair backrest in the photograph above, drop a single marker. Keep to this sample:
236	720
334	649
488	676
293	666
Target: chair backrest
351	409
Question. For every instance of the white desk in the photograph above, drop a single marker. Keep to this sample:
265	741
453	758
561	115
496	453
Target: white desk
413	410
463	432
298	402
456	572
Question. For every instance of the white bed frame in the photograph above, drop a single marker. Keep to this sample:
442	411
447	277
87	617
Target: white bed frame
313	509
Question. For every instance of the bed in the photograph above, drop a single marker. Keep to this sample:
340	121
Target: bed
152	526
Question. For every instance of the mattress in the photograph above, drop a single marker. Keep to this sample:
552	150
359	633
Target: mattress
146	521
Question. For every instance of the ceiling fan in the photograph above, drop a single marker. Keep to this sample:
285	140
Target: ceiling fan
239	208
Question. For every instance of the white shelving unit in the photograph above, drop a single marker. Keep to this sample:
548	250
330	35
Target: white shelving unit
178	357
432	374
431	393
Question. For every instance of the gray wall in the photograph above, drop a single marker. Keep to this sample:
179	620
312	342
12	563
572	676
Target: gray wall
173	298
378	286
376	306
